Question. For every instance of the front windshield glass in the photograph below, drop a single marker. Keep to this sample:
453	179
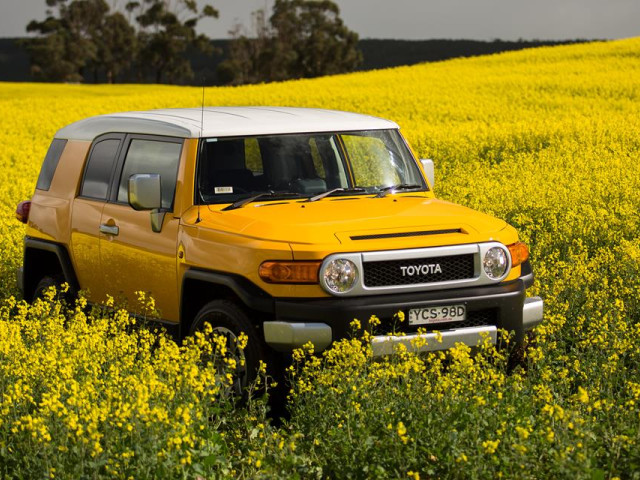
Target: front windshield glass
304	164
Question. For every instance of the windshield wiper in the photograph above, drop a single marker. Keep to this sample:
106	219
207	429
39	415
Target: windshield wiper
393	188
320	196
244	201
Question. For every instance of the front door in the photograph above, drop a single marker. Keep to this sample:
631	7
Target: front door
133	257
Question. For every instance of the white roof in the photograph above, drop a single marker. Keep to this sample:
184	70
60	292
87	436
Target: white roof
223	122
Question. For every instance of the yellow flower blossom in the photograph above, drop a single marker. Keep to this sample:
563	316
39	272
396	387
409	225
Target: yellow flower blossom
490	446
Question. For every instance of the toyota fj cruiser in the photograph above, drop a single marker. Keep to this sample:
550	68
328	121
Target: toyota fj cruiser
284	223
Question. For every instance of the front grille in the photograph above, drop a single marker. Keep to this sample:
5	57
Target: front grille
478	318
390	272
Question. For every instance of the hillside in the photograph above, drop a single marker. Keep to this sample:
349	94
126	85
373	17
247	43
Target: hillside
546	139
15	67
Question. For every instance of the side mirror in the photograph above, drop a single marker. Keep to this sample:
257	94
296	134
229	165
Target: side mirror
427	166
145	191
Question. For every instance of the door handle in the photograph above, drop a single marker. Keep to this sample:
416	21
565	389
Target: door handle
109	229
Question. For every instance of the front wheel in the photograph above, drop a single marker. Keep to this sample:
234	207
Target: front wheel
518	356
229	320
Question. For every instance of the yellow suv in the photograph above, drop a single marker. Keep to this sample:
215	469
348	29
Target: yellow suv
284	223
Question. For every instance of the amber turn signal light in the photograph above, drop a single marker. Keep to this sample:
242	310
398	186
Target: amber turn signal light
519	253
289	272
22	211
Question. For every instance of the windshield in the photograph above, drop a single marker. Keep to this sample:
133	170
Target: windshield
304	165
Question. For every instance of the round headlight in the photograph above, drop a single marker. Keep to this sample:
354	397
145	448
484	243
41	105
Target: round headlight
340	275
495	262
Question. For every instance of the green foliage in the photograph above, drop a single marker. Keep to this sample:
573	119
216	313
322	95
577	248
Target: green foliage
117	46
67	42
303	39
322	44
87	395
165	37
85	35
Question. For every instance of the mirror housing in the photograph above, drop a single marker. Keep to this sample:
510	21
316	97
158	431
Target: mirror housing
145	191
428	167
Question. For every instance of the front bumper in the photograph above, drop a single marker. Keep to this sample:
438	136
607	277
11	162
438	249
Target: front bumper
323	320
431	342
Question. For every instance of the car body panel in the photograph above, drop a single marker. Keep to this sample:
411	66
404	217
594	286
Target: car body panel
138	259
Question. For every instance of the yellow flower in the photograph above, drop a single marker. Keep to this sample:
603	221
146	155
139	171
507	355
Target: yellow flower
374	321
402	432
490	446
582	395
522	432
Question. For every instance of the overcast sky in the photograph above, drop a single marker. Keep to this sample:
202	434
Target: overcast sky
420	19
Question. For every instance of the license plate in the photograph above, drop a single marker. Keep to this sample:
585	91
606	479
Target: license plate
440	314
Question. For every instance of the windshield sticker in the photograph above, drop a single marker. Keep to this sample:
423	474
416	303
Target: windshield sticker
219	190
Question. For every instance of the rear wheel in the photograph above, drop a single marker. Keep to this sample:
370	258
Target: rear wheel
229	320
46	283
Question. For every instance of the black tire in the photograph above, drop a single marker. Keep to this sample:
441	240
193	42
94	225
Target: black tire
230	320
518	356
47	282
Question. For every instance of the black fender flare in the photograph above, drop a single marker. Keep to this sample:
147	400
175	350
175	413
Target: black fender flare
60	251
249	293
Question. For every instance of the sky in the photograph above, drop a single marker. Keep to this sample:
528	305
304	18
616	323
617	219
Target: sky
419	19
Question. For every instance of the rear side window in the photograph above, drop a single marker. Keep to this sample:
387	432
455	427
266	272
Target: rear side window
50	163
97	173
152	156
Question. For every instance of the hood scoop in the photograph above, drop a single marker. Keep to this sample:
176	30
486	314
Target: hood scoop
421	233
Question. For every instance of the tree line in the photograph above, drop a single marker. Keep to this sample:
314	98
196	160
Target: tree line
148	40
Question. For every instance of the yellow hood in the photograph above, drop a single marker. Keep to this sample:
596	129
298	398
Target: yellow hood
395	221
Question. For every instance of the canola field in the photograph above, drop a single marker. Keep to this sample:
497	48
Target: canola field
547	139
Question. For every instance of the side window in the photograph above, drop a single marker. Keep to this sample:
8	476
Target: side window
152	156
50	163
97	173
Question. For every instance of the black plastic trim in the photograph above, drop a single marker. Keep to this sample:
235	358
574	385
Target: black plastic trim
63	257
406	234
250	294
526	274
20	279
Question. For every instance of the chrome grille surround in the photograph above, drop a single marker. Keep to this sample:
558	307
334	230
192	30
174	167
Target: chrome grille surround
479	277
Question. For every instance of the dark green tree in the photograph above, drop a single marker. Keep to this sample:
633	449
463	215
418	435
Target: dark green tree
168	30
65	43
303	39
85	36
323	45
253	59
116	45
